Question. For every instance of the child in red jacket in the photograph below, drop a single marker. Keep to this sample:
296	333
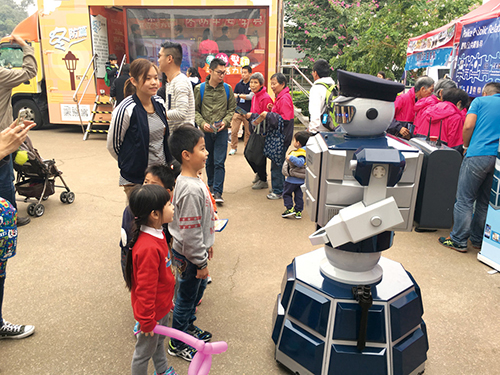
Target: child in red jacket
149	276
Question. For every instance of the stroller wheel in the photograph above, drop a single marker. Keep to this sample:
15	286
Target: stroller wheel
31	209
39	210
45	198
70	198
64	197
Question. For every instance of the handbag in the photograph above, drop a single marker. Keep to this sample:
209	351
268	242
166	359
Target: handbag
254	150
274	147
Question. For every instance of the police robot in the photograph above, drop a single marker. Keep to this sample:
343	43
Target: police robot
343	309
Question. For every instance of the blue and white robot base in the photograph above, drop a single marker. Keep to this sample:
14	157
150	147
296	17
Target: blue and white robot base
316	323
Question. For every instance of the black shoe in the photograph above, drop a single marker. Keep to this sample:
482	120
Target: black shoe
448	242
218	198
15	331
23	221
183	351
199	333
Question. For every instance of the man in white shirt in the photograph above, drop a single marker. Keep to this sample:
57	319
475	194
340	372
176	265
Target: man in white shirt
179	97
317	96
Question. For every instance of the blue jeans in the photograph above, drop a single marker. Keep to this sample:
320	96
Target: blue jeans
277	178
216	145
189	294
474	184
6	186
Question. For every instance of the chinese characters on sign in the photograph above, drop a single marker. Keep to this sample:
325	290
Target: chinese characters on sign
58	38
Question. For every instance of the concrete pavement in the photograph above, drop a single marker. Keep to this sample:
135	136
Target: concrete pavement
66	278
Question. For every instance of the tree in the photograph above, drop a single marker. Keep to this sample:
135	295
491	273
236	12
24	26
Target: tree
366	36
11	13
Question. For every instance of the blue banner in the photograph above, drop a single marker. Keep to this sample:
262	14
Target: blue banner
478	59
436	57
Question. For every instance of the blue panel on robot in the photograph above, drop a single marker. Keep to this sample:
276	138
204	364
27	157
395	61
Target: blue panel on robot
310	308
304	348
279	316
287	284
348	316
343	142
410	353
348	360
406	314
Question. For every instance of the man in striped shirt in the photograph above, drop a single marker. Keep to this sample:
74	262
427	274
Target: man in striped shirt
179	98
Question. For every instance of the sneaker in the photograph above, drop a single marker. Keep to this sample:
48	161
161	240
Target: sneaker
476	246
273	196
448	242
23	221
232	151
211	188
136	328
218	198
182	351
298	215
256	178
199	333
15	331
209	279
170	371
260	185
289	212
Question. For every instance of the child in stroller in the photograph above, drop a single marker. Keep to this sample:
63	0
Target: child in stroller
36	178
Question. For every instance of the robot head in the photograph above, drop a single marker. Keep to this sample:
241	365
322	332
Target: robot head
365	106
363	117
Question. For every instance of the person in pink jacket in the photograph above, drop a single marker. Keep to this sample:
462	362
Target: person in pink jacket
447	117
404	111
435	98
260	102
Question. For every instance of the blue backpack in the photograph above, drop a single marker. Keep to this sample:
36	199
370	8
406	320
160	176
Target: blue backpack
202	90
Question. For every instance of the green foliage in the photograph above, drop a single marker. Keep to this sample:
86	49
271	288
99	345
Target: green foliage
11	14
365	36
300	100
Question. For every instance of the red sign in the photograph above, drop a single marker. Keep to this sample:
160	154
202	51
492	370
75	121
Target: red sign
244	22
189	22
230	22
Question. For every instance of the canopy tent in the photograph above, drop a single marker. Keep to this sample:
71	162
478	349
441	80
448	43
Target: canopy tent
435	48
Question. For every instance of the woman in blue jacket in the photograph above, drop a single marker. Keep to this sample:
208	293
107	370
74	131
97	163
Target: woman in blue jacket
138	133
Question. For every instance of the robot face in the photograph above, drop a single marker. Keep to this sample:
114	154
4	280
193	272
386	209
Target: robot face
363	117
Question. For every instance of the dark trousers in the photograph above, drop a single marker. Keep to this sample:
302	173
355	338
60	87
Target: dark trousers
290	189
2	285
259	169
6	186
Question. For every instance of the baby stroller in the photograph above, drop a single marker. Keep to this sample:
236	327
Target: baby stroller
36	178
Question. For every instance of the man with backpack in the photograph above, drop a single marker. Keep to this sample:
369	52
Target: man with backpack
323	88
214	109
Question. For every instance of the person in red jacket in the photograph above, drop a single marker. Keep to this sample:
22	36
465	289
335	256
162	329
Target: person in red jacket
149	276
435	98
404	106
447	118
260	101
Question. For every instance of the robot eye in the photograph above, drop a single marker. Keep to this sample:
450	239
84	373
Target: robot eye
372	114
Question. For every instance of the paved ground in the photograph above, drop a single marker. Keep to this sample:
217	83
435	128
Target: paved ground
67	281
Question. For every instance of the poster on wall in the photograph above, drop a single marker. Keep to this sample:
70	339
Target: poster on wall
490	249
100	44
478	60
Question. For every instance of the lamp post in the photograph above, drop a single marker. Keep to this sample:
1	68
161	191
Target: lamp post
70	60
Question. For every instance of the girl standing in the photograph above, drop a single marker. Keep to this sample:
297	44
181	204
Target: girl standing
138	133
149	277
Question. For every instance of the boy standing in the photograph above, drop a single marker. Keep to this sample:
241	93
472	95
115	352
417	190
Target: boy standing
294	169
193	235
111	70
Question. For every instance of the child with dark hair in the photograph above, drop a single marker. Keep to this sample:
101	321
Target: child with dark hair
294	169
111	70
163	176
193	235
149	276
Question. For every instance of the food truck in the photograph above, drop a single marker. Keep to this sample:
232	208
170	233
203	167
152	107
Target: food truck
73	39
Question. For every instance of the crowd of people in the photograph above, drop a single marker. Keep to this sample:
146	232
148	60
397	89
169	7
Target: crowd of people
163	137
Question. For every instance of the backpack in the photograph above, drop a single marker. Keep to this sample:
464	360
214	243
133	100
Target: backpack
202	90
328	116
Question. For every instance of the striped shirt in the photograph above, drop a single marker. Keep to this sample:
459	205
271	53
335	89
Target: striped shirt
179	102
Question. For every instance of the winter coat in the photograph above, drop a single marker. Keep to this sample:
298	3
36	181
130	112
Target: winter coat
453	122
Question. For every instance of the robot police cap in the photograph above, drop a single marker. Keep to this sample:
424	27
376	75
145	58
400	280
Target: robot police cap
358	85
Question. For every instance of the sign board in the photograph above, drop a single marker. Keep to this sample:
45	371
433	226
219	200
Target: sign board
100	44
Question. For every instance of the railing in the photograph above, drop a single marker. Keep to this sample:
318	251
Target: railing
299	86
75	95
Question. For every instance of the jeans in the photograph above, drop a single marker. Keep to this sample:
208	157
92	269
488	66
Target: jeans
216	145
6	186
294	189
150	347
189	294
277	178
474	184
